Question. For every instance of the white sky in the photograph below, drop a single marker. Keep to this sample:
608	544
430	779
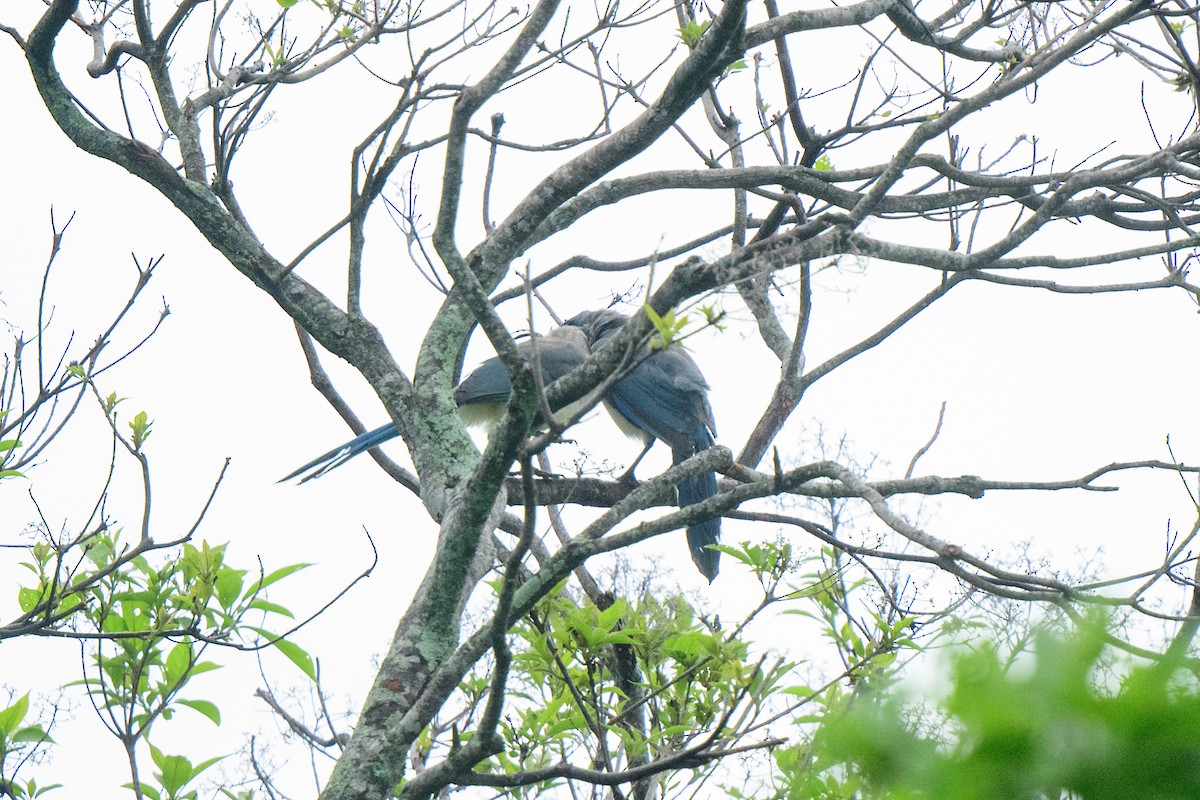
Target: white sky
1038	386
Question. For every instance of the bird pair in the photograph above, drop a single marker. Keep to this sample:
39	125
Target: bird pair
663	396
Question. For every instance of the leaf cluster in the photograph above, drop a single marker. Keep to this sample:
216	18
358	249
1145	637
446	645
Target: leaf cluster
1050	726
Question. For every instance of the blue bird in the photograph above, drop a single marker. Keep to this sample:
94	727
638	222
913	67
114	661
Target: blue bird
664	397
481	397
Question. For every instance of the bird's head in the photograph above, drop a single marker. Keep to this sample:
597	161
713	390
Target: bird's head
598	325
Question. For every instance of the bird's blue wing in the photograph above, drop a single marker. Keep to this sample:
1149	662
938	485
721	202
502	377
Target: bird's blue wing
665	396
486	385
484	393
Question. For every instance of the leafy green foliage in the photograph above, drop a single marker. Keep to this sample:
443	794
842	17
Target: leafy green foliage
1045	729
155	620
140	427
161	621
294	653
148	614
669	327
111	402
28	789
626	682
644	678
7	446
17	741
173	775
690	33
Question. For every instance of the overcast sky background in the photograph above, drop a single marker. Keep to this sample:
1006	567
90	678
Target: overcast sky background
1039	387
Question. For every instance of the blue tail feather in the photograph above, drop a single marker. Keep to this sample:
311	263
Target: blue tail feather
340	455
694	490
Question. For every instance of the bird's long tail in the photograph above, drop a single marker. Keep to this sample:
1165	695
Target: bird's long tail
695	490
340	455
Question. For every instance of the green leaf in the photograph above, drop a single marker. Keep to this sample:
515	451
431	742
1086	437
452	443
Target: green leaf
204	666
111	623
9	444
690	33
203	765
136	615
668	326
883	660
287	3
148	791
205	707
175	668
11	717
298	656
659	323
610	616
272	608
28	599
175	773
294	652
32	733
140	426
673	730
33	790
229	585
277	575
686	647
100	551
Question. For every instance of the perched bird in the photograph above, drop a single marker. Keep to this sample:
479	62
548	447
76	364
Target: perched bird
481	397
664	397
